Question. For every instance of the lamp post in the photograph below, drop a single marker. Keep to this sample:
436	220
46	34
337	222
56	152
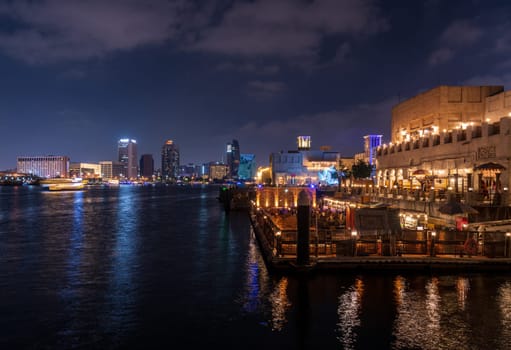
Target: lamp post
354	242
507	250
277	244
432	247
420	235
316	231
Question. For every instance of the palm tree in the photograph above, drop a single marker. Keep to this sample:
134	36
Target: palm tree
361	169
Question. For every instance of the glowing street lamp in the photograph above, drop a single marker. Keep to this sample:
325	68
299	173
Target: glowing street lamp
354	242
433	237
507	247
277	243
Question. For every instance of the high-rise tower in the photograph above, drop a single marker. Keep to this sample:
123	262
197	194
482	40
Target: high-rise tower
233	158
128	157
169	160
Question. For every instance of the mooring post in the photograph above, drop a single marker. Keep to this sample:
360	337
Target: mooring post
303	229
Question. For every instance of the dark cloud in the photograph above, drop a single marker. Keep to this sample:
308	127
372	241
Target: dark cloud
56	30
459	35
287	28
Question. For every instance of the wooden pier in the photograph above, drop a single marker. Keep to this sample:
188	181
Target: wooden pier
276	236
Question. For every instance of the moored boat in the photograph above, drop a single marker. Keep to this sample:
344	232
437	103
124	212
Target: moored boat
62	184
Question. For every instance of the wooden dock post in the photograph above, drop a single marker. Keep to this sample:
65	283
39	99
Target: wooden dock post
303	228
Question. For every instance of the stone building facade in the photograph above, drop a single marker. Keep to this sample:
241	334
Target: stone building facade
450	138
443	108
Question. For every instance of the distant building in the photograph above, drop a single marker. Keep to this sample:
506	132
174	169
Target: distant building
263	175
346	163
127	149
218	171
204	170
85	170
248	168
44	166
305	166
371	143
146	166
287	168
111	170
169	161
321	166
233	158
190	170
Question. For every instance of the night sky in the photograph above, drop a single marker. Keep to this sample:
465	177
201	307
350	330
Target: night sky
76	76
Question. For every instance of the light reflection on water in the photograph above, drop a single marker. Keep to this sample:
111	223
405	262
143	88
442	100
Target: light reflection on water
123	283
432	316
350	304
108	268
280	304
504	306
462	287
262	293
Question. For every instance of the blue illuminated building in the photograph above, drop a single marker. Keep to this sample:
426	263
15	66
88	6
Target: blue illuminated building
247	168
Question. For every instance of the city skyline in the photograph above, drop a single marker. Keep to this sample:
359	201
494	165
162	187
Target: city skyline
77	77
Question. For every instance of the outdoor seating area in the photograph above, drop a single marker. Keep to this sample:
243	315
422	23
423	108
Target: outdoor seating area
279	228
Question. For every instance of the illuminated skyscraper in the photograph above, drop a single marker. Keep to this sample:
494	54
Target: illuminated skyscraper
169	160
233	158
128	157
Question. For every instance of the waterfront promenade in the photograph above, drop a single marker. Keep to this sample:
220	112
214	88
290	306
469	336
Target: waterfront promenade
336	247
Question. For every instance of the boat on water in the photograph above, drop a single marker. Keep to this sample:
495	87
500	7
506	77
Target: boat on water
113	182
62	184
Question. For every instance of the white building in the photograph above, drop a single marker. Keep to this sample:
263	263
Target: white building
44	166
